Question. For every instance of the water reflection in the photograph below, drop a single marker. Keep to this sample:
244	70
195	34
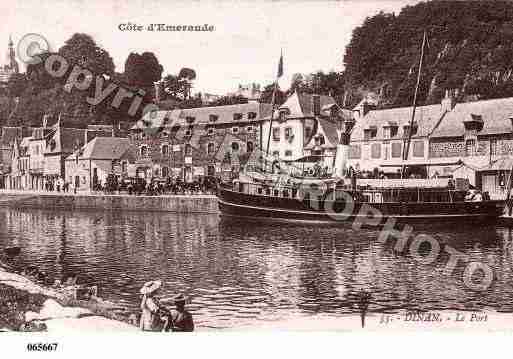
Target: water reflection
238	273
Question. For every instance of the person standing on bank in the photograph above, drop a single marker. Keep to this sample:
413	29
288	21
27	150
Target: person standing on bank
179	320
150	306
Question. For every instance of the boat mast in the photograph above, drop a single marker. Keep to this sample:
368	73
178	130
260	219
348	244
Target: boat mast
273	102
508	195
406	144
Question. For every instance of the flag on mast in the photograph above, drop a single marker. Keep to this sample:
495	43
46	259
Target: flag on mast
280	66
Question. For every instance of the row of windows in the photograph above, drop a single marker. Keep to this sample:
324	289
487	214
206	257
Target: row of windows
388	132
355	151
211	131
471	149
143	150
189	131
288	133
236	117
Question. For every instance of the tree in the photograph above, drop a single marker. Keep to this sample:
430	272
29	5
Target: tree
82	50
172	87
142	70
267	94
470	49
298	81
188	75
16	84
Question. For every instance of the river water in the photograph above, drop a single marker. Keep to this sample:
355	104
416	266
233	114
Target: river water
239	274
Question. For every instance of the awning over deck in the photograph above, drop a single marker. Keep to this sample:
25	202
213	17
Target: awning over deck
422	162
404	183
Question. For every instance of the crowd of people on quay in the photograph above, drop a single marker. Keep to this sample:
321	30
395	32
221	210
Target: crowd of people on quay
141	186
156	187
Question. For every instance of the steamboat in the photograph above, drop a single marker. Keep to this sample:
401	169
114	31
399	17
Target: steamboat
373	202
344	197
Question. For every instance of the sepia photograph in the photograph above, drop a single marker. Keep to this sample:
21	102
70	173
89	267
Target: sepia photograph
226	167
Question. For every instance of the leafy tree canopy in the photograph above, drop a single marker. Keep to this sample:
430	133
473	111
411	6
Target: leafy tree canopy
470	48
82	50
142	70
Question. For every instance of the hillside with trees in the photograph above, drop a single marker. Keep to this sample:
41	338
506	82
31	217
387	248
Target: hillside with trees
469	50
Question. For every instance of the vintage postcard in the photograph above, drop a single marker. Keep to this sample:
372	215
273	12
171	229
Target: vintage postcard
236	166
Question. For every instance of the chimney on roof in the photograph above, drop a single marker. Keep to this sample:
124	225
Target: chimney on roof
449	101
316	99
366	107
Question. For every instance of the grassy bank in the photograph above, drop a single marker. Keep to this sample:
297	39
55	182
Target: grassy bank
14	303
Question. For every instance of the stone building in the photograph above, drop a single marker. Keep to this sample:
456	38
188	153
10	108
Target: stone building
91	164
7	138
378	138
251	91
62	142
196	142
479	135
36	155
472	140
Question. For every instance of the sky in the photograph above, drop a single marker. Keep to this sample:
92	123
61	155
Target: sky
244	47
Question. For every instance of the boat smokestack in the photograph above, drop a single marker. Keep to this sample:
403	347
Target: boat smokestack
342	156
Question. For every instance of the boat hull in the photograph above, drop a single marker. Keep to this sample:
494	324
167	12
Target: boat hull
266	208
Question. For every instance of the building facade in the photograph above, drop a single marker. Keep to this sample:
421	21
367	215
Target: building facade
479	136
472	140
90	165
305	125
190	143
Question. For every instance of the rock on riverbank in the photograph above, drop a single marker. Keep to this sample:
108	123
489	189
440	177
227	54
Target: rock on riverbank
27	306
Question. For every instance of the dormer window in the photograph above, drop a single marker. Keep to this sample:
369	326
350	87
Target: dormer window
237	116
319	140
213	118
210	131
252	115
473	123
370	132
249	129
334	111
390	130
235	130
283	113
406	129
190	119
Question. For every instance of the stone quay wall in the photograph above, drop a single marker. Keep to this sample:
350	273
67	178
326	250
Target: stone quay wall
200	204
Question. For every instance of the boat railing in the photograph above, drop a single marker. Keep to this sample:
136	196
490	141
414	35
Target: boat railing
362	194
